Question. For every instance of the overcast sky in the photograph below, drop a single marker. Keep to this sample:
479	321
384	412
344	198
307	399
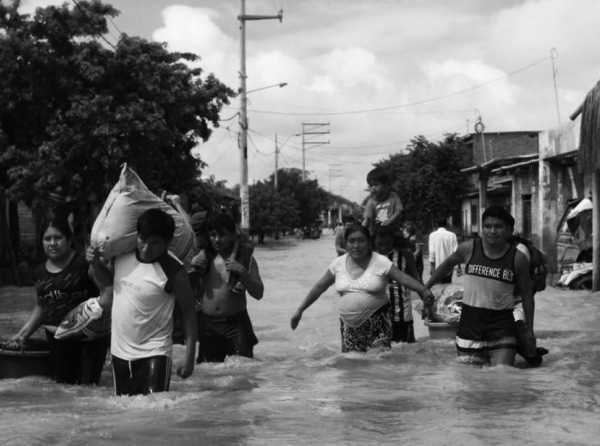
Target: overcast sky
380	72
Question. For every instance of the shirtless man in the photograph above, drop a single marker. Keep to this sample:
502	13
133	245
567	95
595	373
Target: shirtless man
224	325
495	272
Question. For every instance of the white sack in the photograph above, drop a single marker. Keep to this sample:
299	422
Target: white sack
115	229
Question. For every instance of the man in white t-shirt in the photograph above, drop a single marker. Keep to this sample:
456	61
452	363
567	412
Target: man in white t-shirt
442	243
146	285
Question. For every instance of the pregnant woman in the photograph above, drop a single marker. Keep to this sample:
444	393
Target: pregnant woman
361	277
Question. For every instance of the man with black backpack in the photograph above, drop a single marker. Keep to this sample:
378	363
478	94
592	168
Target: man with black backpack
495	273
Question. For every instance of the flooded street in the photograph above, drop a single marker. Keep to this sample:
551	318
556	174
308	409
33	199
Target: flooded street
300	389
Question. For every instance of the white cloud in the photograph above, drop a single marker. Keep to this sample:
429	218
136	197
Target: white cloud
194	30
348	55
29	6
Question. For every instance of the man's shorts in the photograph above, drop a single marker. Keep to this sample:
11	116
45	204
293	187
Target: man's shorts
225	336
141	376
481	330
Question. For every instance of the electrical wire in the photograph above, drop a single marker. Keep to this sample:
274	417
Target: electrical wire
108	42
408	104
230	118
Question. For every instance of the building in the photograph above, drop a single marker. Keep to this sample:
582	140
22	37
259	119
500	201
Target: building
532	173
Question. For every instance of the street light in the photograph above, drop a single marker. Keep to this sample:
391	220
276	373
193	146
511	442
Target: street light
243	117
280	85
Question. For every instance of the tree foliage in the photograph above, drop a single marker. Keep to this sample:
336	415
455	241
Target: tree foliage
428	179
296	203
72	110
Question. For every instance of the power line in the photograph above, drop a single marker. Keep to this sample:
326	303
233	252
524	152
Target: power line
110	19
230	118
365	146
108	42
408	104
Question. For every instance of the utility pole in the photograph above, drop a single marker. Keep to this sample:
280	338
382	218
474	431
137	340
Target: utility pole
553	54
311	130
243	122
334	172
276	163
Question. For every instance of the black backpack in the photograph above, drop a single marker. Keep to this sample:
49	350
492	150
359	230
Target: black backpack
538	265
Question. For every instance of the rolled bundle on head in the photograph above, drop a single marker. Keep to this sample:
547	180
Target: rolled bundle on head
115	230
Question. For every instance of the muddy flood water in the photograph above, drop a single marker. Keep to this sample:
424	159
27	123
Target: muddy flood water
301	390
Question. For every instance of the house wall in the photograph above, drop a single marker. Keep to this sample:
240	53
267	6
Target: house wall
525	188
503	145
558	184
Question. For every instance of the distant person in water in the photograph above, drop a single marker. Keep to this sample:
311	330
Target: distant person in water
415	243
62	283
225	328
495	272
442	243
361	278
340	244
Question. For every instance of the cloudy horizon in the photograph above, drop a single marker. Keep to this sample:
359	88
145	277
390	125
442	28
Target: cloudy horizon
380	72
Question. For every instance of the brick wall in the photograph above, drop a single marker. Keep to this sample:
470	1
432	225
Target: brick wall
504	145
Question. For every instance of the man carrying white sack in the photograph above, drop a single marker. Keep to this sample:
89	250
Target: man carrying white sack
146	284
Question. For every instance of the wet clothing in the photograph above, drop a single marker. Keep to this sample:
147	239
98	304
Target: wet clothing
142	309
76	361
221	336
141	376
71	361
481	330
225	336
400	300
374	332
363	296
486	321
58	293
413	244
490	283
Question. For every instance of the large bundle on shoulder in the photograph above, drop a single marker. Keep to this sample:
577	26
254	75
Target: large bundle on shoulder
115	230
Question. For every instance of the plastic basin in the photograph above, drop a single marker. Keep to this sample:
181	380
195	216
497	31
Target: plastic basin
33	360
441	330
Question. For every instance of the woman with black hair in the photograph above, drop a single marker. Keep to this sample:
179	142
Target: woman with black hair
62	282
361	278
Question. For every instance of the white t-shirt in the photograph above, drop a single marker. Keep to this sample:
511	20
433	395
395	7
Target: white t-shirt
142	311
442	243
363	296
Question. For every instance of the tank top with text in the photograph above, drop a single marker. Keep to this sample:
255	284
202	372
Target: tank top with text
490	283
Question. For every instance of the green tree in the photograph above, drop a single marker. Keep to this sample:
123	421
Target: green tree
428	179
271	211
73	110
311	198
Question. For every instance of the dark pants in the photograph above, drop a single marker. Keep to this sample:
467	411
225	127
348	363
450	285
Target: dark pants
403	331
419	265
141	376
225	336
77	362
